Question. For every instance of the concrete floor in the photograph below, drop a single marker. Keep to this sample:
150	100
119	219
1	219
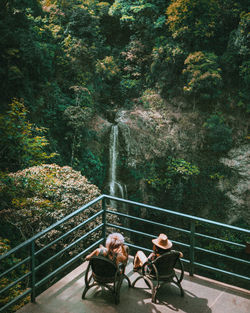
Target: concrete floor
201	296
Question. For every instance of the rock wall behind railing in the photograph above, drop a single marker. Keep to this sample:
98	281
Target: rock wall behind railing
146	134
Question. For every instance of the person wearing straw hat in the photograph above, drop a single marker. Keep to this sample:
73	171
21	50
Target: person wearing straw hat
161	245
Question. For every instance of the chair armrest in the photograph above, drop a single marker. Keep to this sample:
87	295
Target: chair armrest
181	268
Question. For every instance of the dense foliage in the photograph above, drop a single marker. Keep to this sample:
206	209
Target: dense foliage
31	201
67	60
39	196
64	61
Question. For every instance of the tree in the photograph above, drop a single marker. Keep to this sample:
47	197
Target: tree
40	196
202	76
171	179
144	17
193	22
31	201
22	143
167	63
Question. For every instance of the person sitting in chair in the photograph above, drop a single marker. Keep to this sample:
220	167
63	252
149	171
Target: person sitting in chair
161	245
114	249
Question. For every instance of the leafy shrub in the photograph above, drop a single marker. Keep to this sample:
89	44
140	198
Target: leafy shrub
202	76
151	99
218	134
167	63
93	168
193	21
21	142
40	196
107	68
172	177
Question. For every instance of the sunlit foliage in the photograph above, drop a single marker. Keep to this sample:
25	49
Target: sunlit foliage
22	143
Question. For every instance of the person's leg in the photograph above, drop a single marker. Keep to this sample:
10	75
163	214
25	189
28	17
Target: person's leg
139	259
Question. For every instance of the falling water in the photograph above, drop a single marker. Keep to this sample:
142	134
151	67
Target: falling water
115	188
113	154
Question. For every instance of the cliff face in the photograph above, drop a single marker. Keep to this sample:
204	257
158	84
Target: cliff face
152	133
148	134
238	189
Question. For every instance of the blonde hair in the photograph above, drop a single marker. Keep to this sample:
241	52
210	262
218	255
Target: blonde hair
114	241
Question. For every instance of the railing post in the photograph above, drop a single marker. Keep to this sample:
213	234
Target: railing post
32	269
192	243
104	220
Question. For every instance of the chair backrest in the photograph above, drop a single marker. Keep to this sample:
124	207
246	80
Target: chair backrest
103	268
166	262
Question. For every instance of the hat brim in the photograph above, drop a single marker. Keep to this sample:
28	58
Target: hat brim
169	245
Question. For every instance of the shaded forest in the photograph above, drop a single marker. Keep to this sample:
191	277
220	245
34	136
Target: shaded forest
62	62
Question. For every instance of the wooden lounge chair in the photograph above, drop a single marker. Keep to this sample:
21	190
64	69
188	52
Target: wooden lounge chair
101	271
161	271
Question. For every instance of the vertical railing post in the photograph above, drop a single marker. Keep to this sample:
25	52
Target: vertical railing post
192	243
32	269
104	220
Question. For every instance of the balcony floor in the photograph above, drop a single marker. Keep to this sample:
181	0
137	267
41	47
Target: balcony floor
201	296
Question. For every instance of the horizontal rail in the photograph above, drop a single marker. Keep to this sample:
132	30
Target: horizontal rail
45	231
15	300
190	217
68	247
220	240
131	230
14	283
222	255
214	269
142	233
69	232
65	265
139	219
15	267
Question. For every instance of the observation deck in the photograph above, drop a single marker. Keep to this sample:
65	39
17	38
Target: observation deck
201	296
216	262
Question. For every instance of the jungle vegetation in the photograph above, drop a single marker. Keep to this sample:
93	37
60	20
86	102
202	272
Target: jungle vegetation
63	61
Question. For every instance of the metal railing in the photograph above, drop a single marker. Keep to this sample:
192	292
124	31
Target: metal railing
189	233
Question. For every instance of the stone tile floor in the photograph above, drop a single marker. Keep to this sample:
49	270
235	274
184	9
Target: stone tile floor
201	296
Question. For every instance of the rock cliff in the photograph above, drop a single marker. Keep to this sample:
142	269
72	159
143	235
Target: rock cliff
146	134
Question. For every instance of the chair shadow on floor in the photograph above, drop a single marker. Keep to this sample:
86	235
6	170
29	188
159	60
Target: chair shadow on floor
139	300
190	303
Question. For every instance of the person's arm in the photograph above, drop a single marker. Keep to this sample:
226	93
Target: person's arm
95	252
151	257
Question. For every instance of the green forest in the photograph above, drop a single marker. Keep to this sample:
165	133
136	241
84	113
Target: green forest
64	62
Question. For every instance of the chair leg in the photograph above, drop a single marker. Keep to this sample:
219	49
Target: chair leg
148	282
135	281
117	291
154	291
182	291
85	291
178	283
180	286
128	280
87	287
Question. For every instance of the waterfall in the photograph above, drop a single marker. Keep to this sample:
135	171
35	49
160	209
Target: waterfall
115	187
113	154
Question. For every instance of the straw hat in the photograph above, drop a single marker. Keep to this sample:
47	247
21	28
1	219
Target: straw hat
162	242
